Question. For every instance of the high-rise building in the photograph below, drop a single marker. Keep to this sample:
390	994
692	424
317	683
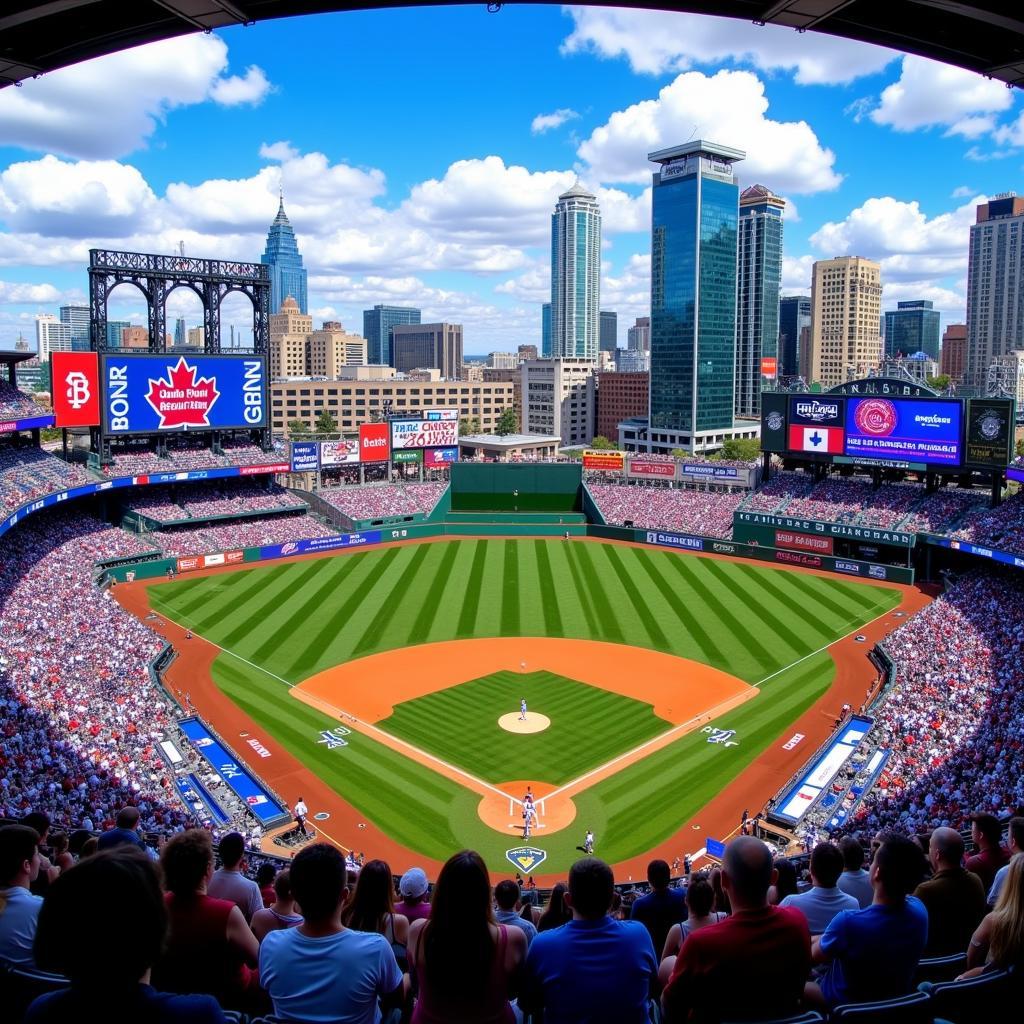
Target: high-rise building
196	337
794	316
912	327
114	331
502	360
424	345
558	399
609	335
77	318
619	397
135	337
759	273
180	333
51	336
287	274
846	296
377	327
995	286
329	349
954	351
638	337
632	360
575	275
694	221
545	330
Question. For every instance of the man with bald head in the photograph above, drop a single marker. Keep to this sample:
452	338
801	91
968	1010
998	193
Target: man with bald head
954	897
760	955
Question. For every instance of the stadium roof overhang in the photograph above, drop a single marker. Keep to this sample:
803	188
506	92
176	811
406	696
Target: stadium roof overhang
37	36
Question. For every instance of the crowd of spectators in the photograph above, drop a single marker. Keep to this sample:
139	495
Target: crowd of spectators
381	502
28	473
1000	527
646	506
777	492
220	498
184	454
15	404
245	453
231	534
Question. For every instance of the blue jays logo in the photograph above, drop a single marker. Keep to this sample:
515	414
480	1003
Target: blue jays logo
526	858
723	736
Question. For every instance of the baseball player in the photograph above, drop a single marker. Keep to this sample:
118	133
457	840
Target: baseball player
522	710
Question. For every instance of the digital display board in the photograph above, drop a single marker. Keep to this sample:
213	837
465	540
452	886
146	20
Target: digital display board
425	433
990	431
166	393
339	453
915	429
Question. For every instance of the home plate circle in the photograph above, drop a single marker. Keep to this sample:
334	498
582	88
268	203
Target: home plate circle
513	722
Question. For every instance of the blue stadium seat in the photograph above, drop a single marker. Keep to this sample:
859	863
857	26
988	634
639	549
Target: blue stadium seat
911	1009
964	1002
941	968
20	985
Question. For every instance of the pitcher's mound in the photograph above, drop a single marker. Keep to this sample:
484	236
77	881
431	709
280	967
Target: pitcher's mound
534	722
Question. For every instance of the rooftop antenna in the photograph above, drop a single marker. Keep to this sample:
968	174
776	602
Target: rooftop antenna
181	248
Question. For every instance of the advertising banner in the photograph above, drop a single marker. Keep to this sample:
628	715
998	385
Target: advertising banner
407	456
425	433
374	444
663	470
31	423
675	540
744	524
822	440
1006	557
774	407
302	547
803	542
274	467
816	410
707	471
440	456
441	414
990	431
885	428
148	394
604	460
305	457
339	453
76	389
1015	474
769	367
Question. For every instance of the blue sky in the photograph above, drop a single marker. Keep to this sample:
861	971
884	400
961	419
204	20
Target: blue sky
421	152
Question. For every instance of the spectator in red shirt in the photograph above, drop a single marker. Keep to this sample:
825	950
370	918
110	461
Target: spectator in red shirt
754	962
986	833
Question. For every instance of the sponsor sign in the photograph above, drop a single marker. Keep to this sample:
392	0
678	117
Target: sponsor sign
76	389
820	440
868	533
302	547
526	858
188	564
407	455
990	431
214	559
275	467
149	394
374	444
840	565
9	426
774	407
339	453
440	456
258	747
793	741
722	547
676	540
604	460
714	848
887	428
234	557
1006	557
424	433
794	558
803	542
659	469
769	367
703	469
442	414
679	168
816	411
305	456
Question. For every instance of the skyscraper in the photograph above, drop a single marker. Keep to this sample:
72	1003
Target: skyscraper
77	318
912	327
575	275
638	337
415	346
954	348
694	218
995	286
180	333
757	303
794	317
545	330
287	275
377	330
51	336
609	337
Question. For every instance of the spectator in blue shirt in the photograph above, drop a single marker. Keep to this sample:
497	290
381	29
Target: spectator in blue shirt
873	953
662	907
125	831
824	899
593	970
19	908
508	901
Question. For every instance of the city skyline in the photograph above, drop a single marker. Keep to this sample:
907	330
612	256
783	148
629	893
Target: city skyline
191	140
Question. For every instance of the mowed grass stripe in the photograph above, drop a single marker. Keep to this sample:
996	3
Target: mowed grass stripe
642	606
774	585
225	582
434	598
510	591
253	588
548	594
471	595
801	582
406	588
609	623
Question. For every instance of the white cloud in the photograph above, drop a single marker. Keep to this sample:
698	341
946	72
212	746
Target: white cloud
251	88
18	293
1011	134
796	275
534	285
961	192
946	300
656	42
280	151
928	93
546	122
629	293
111	106
728	107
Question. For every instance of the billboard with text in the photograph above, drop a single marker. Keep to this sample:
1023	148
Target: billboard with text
76	389
425	433
374	443
339	453
913	429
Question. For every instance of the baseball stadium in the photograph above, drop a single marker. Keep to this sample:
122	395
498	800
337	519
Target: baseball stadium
624	682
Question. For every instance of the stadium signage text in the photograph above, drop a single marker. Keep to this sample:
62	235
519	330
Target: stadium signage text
305	456
829	529
9	426
76	389
676	540
804	542
424	433
603	460
793	741
794	558
640	468
716	472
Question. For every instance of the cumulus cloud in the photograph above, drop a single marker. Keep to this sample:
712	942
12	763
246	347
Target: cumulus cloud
961	192
796	274
656	42
281	151
110	106
629	292
546	122
20	293
729	107
1011	134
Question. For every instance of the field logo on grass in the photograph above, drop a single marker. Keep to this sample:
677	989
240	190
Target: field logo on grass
335	737
722	736
526	858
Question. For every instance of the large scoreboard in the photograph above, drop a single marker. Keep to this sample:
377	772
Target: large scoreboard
917	432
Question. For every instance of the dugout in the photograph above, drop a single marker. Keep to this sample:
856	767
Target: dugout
516	488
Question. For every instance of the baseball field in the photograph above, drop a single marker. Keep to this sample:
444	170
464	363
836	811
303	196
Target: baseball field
417	656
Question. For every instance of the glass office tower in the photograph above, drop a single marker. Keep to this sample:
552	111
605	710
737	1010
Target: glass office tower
377	330
575	275
287	274
912	327
694	221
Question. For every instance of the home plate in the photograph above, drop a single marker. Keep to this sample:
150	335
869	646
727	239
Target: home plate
512	722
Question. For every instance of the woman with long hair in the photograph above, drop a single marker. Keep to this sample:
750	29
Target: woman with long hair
700	898
372	909
465	963
998	942
556	913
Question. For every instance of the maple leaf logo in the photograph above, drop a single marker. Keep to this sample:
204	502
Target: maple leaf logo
182	400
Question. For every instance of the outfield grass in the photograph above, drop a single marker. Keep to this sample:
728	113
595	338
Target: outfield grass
295	619
589	726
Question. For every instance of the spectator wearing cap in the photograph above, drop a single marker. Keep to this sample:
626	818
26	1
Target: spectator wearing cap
19	908
991	855
824	899
662	907
1015	847
954	897
125	831
872	954
413	889
854	880
760	953
594	968
508	907
228	882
